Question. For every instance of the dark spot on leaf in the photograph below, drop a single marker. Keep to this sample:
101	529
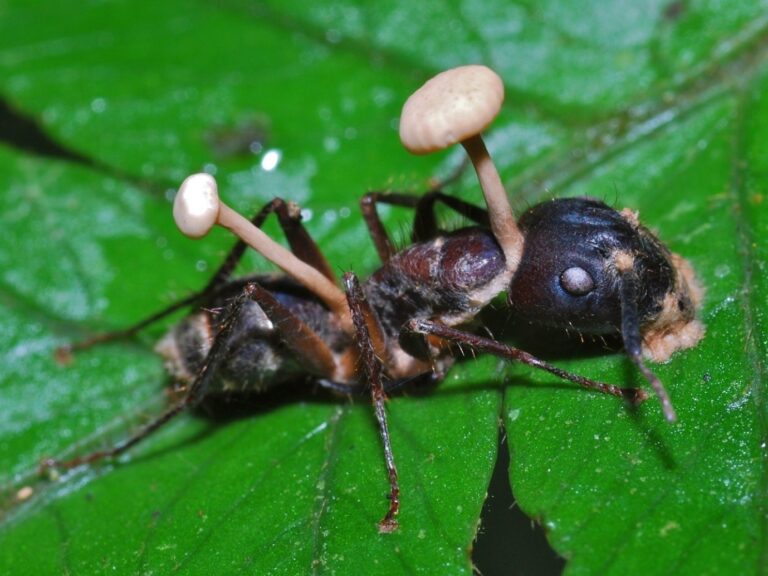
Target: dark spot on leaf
248	136
674	10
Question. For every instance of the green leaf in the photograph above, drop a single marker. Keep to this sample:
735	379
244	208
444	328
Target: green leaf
658	107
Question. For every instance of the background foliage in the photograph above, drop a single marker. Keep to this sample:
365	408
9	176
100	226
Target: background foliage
654	105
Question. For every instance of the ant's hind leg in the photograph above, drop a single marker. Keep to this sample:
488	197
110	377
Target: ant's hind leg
63	353
301	243
225	270
195	392
306	346
424	222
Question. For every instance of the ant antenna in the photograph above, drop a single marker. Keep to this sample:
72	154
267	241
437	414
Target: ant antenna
456	106
197	208
630	330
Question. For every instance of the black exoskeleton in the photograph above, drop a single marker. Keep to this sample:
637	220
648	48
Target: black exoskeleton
568	276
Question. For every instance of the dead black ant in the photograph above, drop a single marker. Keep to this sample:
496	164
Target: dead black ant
573	263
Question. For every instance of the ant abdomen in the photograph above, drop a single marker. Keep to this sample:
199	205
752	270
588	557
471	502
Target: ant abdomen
258	358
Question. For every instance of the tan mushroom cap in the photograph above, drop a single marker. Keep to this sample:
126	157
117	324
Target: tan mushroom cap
196	205
451	107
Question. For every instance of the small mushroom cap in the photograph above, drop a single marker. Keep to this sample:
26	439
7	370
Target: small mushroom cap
451	107
196	206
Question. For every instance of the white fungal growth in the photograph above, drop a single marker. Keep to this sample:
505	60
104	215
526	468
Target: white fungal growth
455	107
451	107
196	206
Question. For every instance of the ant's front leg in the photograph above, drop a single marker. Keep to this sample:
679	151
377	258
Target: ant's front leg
424	225
301	243
424	222
482	344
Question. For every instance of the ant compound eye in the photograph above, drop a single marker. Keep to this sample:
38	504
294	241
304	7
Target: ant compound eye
577	281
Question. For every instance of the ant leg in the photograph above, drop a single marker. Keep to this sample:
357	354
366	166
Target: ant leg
307	346
63	353
425	223
196	391
301	243
362	317
289	217
480	343
630	332
225	270
368	207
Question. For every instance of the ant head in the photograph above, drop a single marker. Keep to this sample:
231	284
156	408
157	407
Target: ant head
578	253
590	268
567	276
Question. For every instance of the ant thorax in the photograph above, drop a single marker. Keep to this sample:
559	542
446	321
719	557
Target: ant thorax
448	279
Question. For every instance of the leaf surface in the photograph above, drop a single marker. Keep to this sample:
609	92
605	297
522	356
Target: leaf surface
658	107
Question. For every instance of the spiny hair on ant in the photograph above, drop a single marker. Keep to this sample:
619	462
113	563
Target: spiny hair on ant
567	263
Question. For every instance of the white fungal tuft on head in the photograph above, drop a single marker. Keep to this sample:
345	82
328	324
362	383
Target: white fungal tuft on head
196	206
676	328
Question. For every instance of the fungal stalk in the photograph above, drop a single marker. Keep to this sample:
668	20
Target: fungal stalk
455	107
197	208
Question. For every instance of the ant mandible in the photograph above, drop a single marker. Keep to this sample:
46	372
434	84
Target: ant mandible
569	263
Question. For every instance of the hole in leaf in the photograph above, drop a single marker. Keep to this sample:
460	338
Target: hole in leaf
508	542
